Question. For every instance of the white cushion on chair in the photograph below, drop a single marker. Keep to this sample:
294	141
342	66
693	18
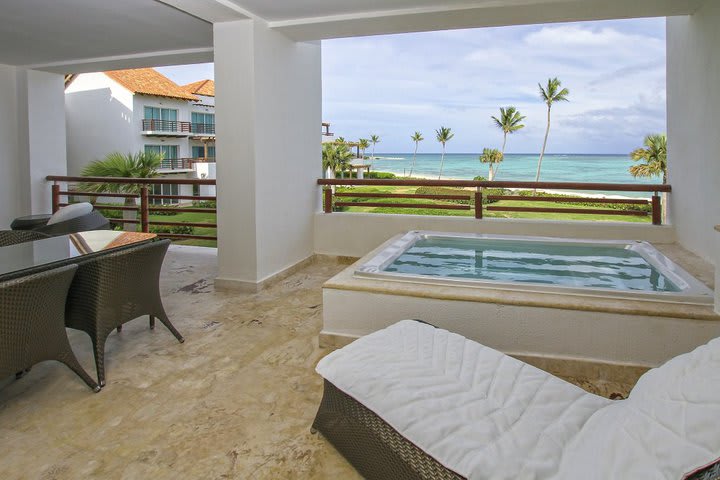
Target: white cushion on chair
71	211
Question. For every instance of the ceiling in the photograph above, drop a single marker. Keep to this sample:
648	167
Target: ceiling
72	36
37	32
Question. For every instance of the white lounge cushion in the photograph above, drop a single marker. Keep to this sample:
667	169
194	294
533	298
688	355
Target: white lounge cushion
477	411
69	212
669	425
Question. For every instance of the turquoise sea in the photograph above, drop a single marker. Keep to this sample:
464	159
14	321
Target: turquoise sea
519	167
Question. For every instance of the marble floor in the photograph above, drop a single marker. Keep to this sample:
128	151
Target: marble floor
235	401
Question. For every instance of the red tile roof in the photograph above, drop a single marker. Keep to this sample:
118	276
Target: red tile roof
148	81
202	87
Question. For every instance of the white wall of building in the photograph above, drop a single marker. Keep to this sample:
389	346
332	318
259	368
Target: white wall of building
99	116
103	117
268	91
693	97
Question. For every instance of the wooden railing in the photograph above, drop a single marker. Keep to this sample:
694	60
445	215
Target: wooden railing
203	128
170	126
140	202
475	198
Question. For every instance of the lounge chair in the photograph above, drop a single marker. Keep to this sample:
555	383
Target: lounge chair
78	217
13	237
413	401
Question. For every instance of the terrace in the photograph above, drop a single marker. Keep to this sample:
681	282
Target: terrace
237	398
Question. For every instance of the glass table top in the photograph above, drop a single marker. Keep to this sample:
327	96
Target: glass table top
48	251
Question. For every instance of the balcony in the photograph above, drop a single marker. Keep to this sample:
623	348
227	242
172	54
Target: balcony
166	128
202	129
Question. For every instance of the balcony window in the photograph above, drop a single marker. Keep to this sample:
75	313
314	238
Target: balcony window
160	119
169	153
173	189
198	151
203	123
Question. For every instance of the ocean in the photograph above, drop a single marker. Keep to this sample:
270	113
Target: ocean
518	167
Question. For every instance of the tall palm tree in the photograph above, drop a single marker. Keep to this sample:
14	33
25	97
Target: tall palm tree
374	139
493	157
443	136
509	122
654	156
363	143
550	94
417	138
139	165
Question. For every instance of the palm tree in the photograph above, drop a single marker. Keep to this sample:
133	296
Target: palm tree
363	143
550	94
139	165
374	139
335	157
654	156
491	156
509	122
417	138
444	135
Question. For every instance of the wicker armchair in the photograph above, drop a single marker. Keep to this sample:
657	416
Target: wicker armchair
110	290
92	221
12	237
32	329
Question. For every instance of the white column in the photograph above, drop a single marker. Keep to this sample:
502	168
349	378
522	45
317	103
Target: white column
41	131
268	110
10	191
32	133
693	103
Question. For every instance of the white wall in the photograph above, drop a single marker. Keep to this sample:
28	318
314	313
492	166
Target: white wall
99	116
693	97
356	234
268	92
9	180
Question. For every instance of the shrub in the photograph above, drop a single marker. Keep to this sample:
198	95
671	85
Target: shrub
613	206
205	204
176	229
461	191
381	175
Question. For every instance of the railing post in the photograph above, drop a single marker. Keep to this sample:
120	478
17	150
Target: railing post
478	203
327	203
656	209
55	189
144	209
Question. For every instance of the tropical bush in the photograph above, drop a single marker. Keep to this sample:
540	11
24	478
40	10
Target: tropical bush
205	204
460	191
613	206
176	229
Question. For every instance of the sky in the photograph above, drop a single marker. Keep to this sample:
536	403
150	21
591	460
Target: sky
394	85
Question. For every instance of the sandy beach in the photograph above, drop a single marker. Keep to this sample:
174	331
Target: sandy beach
560	192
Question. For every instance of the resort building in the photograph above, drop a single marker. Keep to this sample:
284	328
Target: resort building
142	110
294	278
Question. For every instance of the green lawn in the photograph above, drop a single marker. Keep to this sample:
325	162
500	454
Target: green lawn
471	212
192	217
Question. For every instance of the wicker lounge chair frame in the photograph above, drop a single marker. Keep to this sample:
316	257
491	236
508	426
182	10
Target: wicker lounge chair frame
13	237
32	326
371	445
92	221
378	451
112	289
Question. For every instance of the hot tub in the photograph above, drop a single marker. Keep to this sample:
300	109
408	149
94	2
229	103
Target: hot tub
613	302
606	268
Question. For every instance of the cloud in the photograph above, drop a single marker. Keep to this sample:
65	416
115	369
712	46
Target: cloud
461	78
